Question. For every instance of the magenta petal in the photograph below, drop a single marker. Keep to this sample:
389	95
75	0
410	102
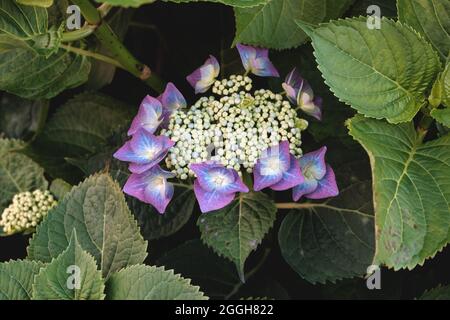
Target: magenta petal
172	99
148	116
327	187
292	85
262	180
307	186
135	186
290	178
256	60
211	200
313	164
203	78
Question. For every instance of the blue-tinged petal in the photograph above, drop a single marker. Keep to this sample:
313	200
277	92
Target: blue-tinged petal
312	107
126	153
327	186
292	85
135	186
203	78
172	99
256	61
313	164
307	186
211	200
262	179
148	117
290	178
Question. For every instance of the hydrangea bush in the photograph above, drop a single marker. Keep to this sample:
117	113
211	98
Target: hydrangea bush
313	147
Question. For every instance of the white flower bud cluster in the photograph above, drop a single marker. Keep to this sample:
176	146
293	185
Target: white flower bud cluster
234	128
26	211
232	85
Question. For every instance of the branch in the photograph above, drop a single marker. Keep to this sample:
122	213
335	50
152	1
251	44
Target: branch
110	41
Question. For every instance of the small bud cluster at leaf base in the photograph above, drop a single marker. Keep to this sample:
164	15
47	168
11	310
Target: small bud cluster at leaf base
223	135
26	211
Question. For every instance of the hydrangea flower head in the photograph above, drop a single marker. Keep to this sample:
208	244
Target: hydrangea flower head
277	169
144	151
256	61
215	186
320	181
149	116
203	78
300	93
151	187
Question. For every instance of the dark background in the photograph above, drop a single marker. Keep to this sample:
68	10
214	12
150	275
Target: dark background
175	39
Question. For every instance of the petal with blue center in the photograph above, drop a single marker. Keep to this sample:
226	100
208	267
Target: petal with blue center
313	164
307	186
149	116
211	200
327	187
290	178
203	78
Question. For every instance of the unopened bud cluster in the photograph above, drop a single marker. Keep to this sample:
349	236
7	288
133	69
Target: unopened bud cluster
234	127
26	211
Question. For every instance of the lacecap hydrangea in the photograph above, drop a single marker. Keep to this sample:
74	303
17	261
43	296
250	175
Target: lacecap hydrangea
222	139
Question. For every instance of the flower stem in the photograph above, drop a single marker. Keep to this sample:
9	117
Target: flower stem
109	40
293	205
91	54
79	34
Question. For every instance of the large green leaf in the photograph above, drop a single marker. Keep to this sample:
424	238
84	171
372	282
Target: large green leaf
431	18
411	184
18	173
60	278
233	3
84	123
155	225
31	65
272	24
105	226
438	293
380	73
331	240
141	282
236	230
38	3
21	118
215	275
16	279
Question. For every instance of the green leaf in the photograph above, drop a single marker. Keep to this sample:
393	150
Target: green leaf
18	173
37	3
155	225
58	280
411	191
75	128
126	3
97	210
16	279
236	230
431	18
21	118
438	293
215	275
332	240
31	65
150	283
232	3
59	188
272	24
442	116
440	93
380	73
388	8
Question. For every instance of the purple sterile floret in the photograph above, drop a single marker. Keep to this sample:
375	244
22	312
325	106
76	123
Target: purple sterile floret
171	99
256	61
151	187
320	181
215	186
277	169
149	116
144	151
203	78
299	92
